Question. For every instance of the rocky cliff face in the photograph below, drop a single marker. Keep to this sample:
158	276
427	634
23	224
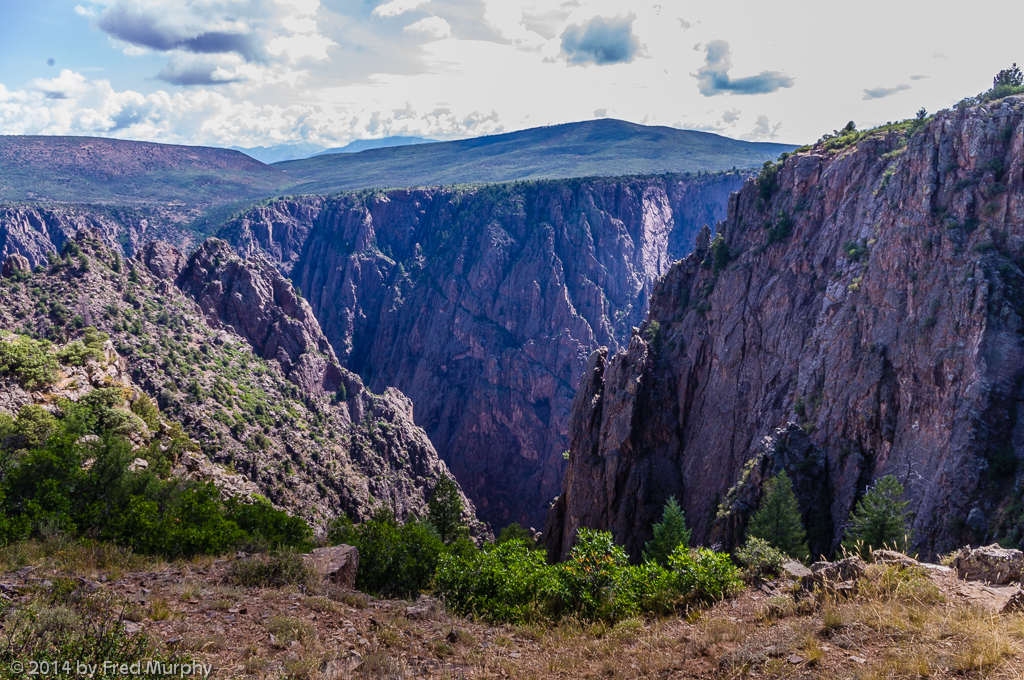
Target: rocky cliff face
483	304
38	233
237	358
871	294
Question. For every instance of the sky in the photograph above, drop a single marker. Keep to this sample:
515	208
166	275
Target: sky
266	72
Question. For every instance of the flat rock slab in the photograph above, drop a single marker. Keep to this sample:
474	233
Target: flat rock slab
989	597
795	569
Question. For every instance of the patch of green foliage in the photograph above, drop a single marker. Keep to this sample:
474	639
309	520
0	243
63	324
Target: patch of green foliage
32	361
70	474
781	228
444	510
718	255
777	520
855	250
768	178
511	583
879	520
759	558
516	532
395	560
668	534
89	348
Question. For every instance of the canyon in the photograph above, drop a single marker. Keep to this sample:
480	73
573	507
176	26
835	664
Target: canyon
866	289
482	303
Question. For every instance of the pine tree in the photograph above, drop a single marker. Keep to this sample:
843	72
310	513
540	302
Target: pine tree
668	534
879	519
778	521
444	510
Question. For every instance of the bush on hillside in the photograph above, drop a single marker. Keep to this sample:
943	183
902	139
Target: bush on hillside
759	559
70	474
879	520
511	583
395	560
668	534
778	519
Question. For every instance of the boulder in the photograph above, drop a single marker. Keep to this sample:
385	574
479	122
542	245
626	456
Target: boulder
15	264
1015	604
795	570
892	557
992	564
336	564
842	575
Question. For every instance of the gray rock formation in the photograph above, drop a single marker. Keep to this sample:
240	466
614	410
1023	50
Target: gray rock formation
482	305
869	293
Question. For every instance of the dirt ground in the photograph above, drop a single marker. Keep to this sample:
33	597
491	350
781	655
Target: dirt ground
931	625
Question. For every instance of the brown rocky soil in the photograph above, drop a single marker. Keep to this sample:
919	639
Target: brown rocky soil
927	626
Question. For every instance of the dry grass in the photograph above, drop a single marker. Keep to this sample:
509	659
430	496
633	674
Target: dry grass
84	558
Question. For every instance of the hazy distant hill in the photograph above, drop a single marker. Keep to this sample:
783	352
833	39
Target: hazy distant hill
280	152
118	172
383	143
592	148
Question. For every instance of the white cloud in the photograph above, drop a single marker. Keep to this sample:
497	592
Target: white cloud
433	27
257	72
763	130
396	7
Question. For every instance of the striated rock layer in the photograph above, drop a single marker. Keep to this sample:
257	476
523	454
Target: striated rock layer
870	293
482	304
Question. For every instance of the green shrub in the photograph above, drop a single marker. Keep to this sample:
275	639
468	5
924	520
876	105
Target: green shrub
145	409
268	527
778	519
507	582
855	250
271	571
589	575
767	179
781	229
668	534
759	559
704	575
511	583
718	255
394	560
879	520
32	362
515	532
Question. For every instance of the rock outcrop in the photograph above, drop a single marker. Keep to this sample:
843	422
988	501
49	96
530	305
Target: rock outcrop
992	564
39	233
252	299
483	304
239	361
869	292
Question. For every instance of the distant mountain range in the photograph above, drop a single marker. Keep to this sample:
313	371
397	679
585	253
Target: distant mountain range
604	147
280	152
383	143
206	184
290	152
